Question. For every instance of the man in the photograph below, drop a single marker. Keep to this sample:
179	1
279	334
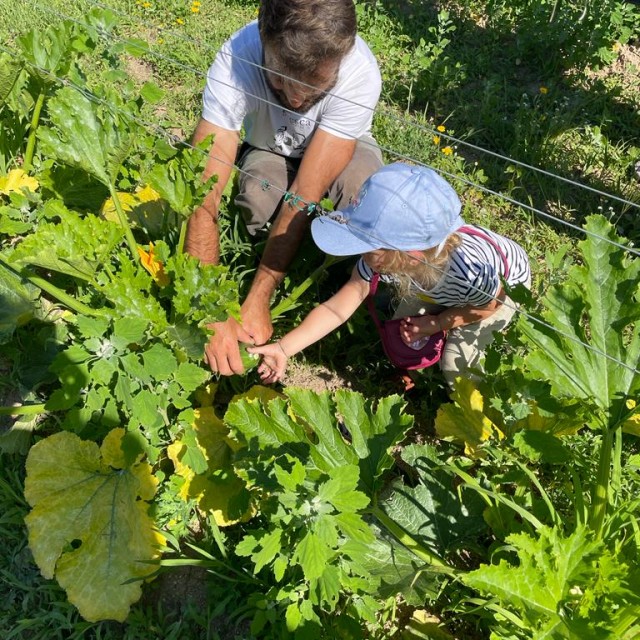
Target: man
303	85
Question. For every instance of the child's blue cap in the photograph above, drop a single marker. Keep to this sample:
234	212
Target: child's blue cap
400	207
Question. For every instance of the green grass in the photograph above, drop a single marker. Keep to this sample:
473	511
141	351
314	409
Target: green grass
526	95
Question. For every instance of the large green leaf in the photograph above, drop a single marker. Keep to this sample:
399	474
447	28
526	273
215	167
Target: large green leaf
399	571
179	180
200	293
373	431
560	587
51	51
89	525
432	511
75	246
92	135
597	305
18	303
130	294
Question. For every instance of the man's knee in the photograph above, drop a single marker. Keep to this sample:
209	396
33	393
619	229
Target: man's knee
262	181
367	159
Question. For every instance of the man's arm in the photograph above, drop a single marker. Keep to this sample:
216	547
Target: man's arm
203	240
324	160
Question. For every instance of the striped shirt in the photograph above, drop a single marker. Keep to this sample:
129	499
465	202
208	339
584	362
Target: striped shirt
472	276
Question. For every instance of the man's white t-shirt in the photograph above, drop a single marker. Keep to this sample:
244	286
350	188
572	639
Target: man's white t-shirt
237	93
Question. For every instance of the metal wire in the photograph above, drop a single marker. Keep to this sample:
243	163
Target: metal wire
389	150
89	95
402	120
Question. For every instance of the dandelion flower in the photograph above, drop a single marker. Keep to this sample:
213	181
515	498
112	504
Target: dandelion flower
146	5
195	9
447	151
544	91
436	140
616	46
179	20
441	128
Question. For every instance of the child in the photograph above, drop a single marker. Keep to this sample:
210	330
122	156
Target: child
404	224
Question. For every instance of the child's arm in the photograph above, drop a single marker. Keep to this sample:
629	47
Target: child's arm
321	321
416	327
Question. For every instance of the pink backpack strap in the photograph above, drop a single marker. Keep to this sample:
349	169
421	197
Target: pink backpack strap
470	231
373	287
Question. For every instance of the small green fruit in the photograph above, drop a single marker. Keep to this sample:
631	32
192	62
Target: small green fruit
249	360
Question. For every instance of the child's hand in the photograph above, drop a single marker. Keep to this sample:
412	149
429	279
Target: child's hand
415	327
274	361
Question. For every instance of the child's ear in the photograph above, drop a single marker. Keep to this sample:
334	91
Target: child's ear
416	255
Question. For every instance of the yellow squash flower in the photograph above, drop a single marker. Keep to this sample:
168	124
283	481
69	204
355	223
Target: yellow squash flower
153	265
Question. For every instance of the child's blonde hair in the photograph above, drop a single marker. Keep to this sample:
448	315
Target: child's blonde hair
409	270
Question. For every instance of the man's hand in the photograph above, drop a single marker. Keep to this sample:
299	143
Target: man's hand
223	351
256	320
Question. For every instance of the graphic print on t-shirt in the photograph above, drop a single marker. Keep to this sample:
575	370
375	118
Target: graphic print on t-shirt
285	141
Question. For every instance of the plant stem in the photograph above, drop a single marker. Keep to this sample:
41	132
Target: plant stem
183	235
600	494
133	247
24	410
290	301
33	127
409	542
52	290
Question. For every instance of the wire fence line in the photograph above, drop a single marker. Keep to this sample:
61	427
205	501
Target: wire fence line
171	138
400	119
389	150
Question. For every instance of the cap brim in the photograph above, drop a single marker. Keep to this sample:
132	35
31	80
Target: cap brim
337	239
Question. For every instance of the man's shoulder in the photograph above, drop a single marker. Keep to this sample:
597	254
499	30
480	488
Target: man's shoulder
359	63
246	40
362	52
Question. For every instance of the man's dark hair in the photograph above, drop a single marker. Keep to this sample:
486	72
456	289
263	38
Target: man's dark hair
306	33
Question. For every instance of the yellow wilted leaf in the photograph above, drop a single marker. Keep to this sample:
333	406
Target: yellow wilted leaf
558	425
425	625
218	490
465	420
17	180
144	208
89	523
632	425
108	210
262	393
153	265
